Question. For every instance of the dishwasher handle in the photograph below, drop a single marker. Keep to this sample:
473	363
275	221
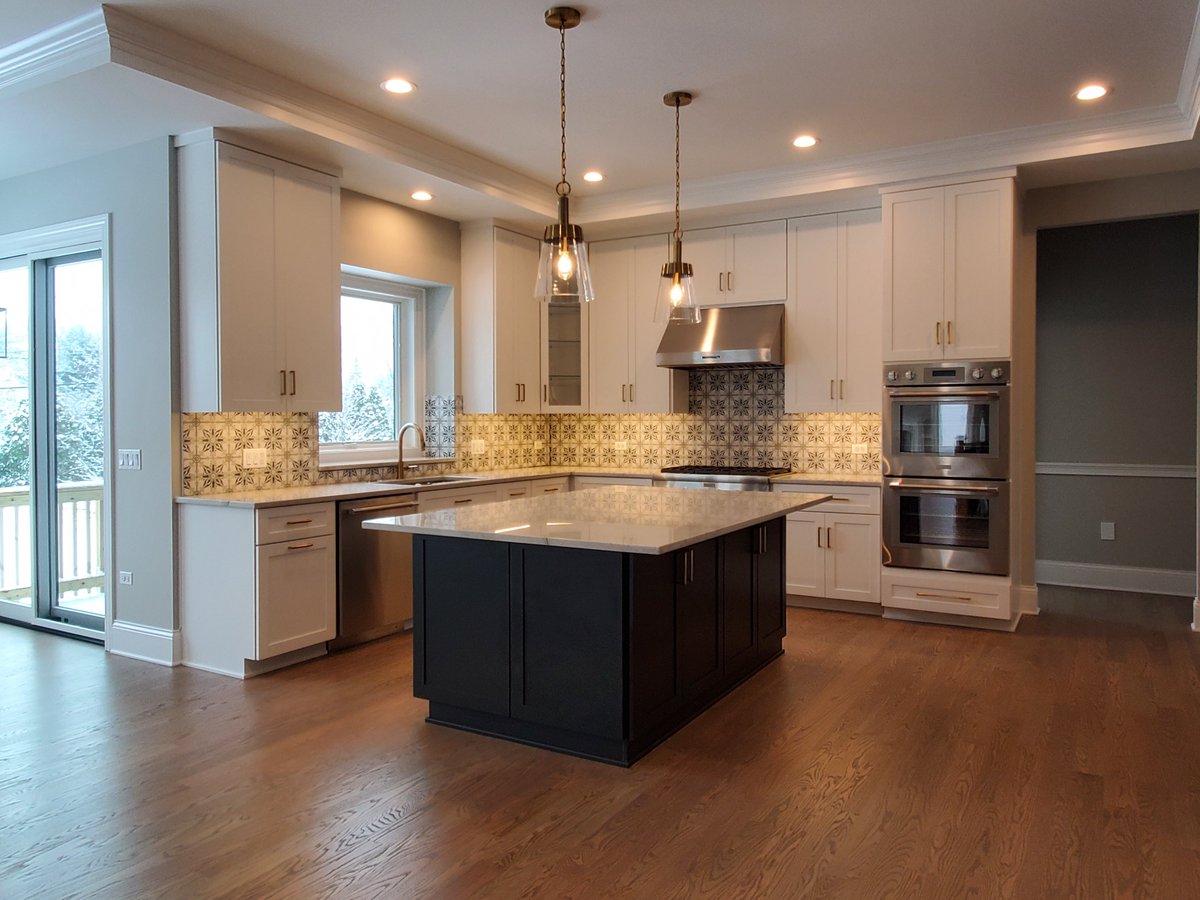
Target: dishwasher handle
356	510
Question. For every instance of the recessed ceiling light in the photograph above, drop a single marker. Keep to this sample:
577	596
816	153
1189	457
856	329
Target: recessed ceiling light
398	86
422	195
593	175
805	141
1091	92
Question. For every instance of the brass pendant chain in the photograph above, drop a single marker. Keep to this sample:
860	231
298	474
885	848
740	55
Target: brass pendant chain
678	233
564	186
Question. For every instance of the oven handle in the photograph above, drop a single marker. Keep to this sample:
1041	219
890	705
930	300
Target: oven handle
928	487
902	394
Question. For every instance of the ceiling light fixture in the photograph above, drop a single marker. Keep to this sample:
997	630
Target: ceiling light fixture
676	299
1091	92
593	176
563	272
805	141
422	195
398	86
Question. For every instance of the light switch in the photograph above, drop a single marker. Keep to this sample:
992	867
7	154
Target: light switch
1108	531
478	446
621	445
129	459
254	457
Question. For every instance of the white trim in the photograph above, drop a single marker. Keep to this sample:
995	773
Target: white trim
57	240
1114	470
1196	614
1026	599
1188	99
156	645
58	52
1136	579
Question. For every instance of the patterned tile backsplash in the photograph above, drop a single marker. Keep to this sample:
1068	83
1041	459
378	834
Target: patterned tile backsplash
735	417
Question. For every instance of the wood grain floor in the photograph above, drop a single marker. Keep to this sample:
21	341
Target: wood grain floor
876	759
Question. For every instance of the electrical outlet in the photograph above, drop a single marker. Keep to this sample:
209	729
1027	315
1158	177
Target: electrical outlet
539	445
129	459
1108	531
478	445
254	457
621	445
858	448
125	577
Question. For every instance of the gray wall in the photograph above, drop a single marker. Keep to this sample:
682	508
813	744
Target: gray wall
1116	383
134	186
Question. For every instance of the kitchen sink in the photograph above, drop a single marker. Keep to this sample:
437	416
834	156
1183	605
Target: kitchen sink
419	481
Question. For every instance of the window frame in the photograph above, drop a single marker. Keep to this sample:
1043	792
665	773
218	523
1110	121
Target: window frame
409	359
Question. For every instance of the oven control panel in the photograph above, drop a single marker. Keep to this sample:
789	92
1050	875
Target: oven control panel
993	371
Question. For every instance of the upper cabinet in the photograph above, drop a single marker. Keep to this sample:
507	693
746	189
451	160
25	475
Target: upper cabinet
738	263
623	336
259	282
948	257
501	360
833	351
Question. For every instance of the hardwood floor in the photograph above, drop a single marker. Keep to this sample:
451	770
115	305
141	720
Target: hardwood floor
875	759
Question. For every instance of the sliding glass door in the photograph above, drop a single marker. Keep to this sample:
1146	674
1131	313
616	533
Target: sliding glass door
52	453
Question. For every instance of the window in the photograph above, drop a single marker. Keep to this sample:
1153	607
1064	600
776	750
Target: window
382	371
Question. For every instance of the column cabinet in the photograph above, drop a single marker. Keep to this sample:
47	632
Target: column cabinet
834	353
948	257
501	358
622	334
738	263
259	282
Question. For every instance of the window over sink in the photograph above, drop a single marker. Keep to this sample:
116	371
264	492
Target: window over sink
383	366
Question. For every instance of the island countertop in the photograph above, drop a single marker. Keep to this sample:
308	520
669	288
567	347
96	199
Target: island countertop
651	520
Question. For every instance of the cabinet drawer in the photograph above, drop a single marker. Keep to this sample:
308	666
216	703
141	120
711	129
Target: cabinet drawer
456	498
549	486
844	499
285	523
513	490
970	595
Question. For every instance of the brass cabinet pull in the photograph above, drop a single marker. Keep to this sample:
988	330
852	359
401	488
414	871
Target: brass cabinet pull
841	388
945	597
545	394
631	392
293	373
518	386
828	537
299	522
721	282
839	500
464	500
762	539
549	490
939	334
831	388
623	387
300	546
819	547
729	281
283	382
949	332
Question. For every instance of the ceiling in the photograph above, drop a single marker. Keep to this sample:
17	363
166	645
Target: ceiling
894	91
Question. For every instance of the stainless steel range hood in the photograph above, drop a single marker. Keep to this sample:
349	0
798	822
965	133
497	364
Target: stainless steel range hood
726	337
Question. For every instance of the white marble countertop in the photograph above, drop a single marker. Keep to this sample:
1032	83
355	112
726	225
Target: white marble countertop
624	519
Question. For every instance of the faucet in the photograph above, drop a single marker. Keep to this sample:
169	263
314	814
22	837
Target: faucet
401	465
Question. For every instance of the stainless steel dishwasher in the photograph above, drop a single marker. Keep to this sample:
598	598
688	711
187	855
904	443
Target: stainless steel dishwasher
374	571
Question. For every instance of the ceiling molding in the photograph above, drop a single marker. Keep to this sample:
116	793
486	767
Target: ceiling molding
1138	128
58	52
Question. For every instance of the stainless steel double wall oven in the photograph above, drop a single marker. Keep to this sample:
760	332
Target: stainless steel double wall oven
946	466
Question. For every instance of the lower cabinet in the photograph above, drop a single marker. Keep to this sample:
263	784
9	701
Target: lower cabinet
257	588
456	498
834	555
922	593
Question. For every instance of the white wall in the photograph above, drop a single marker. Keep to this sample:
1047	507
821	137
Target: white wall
134	186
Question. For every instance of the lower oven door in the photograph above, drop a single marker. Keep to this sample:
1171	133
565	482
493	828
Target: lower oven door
947	524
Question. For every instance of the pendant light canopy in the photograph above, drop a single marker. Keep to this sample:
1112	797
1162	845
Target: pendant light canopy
563	272
676	298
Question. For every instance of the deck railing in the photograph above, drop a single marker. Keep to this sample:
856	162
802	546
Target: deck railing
80	541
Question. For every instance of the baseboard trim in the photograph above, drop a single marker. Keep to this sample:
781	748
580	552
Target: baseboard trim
859	607
1026	599
156	645
1172	582
935	618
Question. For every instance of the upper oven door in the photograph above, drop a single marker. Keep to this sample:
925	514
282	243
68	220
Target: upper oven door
946	431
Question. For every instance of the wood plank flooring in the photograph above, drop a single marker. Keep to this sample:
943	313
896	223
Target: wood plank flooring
875	759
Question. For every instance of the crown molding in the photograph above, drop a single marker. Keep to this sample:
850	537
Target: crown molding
1188	100
67	49
1122	131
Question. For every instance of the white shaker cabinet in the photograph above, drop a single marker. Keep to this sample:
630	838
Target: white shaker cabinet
948	259
622	334
501	361
833	349
833	548
259	282
738	263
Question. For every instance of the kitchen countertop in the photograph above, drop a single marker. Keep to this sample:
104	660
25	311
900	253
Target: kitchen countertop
317	493
634	519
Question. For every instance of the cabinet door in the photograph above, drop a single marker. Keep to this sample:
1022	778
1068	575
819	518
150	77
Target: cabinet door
769	591
979	269
565	357
705	250
307	286
805	544
251	366
852	557
860	312
518	325
756	260
697	619
651	389
737	587
297	595
608	326
913	274
811	369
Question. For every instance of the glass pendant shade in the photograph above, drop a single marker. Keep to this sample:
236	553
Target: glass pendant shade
676	297
564	275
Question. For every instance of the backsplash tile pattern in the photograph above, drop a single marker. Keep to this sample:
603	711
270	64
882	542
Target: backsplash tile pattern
735	417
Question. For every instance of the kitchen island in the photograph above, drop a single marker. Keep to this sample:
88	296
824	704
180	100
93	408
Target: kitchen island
595	622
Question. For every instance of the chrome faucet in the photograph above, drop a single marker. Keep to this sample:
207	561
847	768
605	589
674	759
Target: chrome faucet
401	465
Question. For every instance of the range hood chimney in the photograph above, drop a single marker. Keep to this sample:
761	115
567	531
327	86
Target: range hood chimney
726	337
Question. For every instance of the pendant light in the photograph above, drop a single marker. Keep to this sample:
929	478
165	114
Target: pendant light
676	299
563	272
